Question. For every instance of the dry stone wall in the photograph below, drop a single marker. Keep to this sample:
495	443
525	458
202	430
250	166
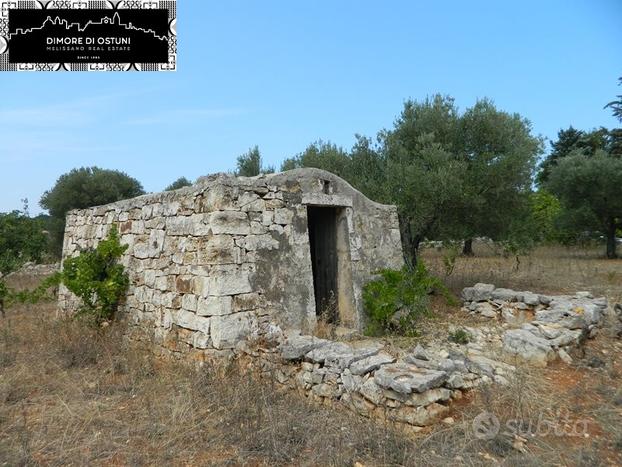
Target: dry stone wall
228	257
538	328
414	389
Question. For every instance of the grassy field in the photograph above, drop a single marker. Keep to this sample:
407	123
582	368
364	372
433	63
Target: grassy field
71	395
550	269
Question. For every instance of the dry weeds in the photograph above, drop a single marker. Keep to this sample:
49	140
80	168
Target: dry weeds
551	269
72	395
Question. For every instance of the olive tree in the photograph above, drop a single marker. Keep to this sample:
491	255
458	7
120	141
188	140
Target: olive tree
589	190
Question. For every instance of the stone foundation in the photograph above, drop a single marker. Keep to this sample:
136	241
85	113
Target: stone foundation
414	390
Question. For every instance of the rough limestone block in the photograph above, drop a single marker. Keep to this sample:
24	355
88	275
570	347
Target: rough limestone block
372	392
179	225
562	317
487	310
215	306
227	331
189	302
344	360
220	249
428	397
229	283
332	350
296	346
504	295
229	222
370	363
283	216
247	302
218	198
351	382
478	293
199	225
189	320
420	416
530	298
529	347
201	340
405	378
261	242
568	337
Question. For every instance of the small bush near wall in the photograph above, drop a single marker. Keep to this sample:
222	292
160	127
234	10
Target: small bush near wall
399	298
96	277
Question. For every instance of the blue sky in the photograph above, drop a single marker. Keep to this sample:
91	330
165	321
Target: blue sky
281	74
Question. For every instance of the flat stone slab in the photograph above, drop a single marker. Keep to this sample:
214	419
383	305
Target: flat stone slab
406	379
344	360
478	293
371	363
506	295
331	352
564	318
295	346
528	346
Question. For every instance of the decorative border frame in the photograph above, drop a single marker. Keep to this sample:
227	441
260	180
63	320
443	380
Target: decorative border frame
6	5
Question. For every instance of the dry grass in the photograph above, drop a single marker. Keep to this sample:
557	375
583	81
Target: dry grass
74	395
71	395
552	269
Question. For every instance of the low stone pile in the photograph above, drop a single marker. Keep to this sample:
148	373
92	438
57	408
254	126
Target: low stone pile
414	389
32	269
541	327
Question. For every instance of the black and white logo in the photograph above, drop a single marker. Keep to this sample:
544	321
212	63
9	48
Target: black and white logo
88	36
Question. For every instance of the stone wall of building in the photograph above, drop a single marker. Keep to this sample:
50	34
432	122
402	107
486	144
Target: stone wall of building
229	257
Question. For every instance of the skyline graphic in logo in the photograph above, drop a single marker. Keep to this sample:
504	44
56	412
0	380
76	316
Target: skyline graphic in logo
116	38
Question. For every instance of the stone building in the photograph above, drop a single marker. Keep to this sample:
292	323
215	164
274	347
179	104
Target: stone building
232	256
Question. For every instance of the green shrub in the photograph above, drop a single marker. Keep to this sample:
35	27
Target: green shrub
22	239
460	336
398	299
96	277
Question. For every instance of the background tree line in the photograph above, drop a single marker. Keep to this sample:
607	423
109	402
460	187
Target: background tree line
453	176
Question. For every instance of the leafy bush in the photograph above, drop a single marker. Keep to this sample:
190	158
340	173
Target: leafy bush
22	239
97	278
398	299
460	336
179	183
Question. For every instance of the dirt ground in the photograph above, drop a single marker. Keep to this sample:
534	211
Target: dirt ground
71	395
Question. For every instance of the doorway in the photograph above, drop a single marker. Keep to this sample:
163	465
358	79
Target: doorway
322	223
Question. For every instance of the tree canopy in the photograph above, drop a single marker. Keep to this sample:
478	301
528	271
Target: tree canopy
589	190
616	105
82	188
179	183
451	175
250	164
570	141
22	239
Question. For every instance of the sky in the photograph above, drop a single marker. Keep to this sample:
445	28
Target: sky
282	74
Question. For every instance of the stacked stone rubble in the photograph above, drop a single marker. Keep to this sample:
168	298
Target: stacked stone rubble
415	389
541	328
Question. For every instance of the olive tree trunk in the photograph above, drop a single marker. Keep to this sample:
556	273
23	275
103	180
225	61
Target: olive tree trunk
467	248
611	239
